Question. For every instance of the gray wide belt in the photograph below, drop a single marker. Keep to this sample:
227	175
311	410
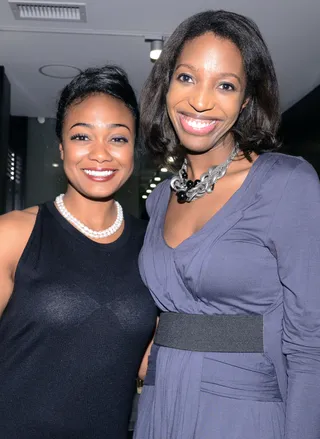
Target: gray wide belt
210	333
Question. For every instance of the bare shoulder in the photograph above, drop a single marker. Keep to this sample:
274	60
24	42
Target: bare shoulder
15	230
18	220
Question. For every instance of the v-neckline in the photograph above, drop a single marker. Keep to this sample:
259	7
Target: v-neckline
224	210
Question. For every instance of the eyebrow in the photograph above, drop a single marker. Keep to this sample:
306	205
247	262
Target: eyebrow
108	125
189	66
231	74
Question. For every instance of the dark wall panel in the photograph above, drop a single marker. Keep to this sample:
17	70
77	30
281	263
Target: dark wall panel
4	136
300	129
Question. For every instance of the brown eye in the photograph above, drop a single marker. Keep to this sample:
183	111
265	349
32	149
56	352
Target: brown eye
184	78
227	87
80	137
119	139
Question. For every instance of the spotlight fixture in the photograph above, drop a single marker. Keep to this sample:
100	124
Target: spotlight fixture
144	197
149	191
156	47
163	170
55	165
153	185
157	178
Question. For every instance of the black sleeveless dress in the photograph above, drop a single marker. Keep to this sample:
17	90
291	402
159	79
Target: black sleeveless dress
73	334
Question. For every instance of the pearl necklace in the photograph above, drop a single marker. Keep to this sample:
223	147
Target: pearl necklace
93	234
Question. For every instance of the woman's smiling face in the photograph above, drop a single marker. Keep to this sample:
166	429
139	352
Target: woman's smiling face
98	145
206	93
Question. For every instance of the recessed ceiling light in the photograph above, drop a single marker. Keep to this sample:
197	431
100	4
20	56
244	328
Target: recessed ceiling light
55	165
144	197
157	178
163	170
149	191
59	71
153	185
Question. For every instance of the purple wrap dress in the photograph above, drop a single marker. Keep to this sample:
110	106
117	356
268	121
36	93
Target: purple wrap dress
260	254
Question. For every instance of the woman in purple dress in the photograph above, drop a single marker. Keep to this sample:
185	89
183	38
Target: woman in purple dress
232	251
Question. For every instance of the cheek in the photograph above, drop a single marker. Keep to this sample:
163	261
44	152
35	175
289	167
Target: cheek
170	107
173	96
73	155
232	107
124	155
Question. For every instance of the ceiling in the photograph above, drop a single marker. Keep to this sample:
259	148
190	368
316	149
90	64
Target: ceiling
115	32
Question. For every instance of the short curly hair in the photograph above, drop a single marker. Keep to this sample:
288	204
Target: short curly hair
257	125
109	80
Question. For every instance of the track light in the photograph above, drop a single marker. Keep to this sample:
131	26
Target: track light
156	49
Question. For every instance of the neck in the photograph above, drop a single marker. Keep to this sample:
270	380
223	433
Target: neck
200	163
97	215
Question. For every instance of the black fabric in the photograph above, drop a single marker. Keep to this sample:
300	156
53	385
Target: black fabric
210	333
73	334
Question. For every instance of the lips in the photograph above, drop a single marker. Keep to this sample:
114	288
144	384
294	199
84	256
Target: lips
99	175
197	125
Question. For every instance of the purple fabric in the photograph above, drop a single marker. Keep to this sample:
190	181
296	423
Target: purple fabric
259	254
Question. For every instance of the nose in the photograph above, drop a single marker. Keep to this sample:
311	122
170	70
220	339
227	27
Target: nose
100	153
202	99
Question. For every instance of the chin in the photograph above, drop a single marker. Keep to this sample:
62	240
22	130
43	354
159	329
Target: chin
96	195
100	191
198	147
99	196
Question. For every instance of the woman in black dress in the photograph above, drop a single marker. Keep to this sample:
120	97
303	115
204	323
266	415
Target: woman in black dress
76	318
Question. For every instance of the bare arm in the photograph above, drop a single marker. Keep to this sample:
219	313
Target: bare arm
144	364
15	230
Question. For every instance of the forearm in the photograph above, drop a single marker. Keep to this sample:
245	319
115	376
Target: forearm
144	364
303	397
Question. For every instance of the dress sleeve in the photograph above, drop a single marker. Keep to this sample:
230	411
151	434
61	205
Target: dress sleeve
295	236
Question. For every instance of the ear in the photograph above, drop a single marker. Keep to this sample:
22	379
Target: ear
245	103
61	151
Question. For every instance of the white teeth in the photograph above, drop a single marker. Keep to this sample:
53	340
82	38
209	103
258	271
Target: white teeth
198	124
98	173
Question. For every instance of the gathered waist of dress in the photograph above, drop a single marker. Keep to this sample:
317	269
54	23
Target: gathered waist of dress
248	376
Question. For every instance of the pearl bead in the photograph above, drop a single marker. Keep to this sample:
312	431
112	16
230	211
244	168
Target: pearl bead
83	228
